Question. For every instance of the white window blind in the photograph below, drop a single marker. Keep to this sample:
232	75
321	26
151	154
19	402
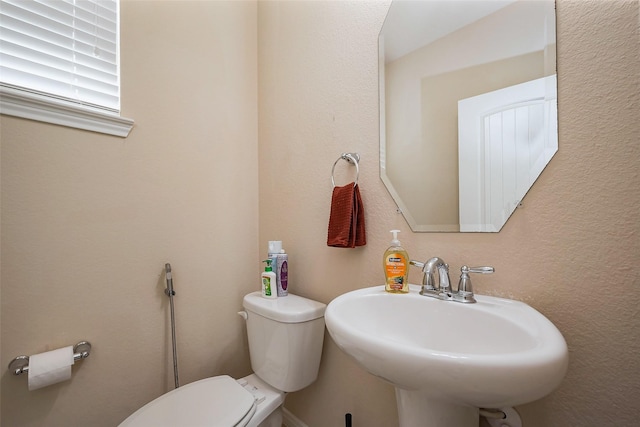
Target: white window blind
64	50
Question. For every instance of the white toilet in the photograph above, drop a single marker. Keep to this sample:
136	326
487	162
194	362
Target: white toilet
285	344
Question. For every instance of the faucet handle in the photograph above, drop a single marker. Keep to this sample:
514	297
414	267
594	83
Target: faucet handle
418	264
421	266
465	290
481	270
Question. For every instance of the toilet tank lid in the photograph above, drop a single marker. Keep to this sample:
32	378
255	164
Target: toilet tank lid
289	309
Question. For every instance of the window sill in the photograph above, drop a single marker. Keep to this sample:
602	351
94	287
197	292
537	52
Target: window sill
40	108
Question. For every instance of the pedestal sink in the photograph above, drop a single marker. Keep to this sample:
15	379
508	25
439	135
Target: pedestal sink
447	359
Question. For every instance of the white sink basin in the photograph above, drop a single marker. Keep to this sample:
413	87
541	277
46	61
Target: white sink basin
494	353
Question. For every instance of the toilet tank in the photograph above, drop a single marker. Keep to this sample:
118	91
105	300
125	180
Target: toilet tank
285	339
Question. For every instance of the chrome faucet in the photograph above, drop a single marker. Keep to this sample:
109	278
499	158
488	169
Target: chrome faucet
429	286
442	290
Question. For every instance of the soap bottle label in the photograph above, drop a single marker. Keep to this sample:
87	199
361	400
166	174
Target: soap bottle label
266	283
396	269
283	271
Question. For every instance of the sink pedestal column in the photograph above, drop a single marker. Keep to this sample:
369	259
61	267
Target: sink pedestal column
419	409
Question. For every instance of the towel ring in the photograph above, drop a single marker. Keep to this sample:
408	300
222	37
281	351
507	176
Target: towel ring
352	158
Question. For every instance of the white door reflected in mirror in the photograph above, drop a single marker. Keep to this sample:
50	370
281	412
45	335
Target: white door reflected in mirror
505	139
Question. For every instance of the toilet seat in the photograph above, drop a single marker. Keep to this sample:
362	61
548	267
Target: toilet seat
211	402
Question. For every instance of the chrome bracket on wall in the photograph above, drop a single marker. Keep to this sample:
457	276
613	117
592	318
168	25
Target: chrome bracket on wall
21	363
353	159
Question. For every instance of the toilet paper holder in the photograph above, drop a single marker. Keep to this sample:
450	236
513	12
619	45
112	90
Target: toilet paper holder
21	363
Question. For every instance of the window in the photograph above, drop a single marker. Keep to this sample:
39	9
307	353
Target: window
59	63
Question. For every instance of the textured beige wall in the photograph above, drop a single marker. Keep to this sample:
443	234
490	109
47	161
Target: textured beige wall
89	220
571	252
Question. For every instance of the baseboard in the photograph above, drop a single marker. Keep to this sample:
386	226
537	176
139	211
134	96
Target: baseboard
290	420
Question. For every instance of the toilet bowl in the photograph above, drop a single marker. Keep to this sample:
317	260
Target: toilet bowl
285	343
218	401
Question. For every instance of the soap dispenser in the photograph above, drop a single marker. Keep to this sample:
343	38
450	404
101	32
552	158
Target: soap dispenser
269	281
396	267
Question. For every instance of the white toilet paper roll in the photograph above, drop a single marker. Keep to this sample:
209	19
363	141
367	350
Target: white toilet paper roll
50	367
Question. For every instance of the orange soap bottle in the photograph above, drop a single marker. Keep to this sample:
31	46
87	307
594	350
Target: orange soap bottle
396	267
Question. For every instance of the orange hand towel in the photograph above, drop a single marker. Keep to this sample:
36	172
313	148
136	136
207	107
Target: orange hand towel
346	221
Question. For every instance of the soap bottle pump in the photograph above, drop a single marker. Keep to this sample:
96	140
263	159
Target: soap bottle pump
396	267
269	281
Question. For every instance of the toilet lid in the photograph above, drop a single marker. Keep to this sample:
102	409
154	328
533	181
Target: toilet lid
212	402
